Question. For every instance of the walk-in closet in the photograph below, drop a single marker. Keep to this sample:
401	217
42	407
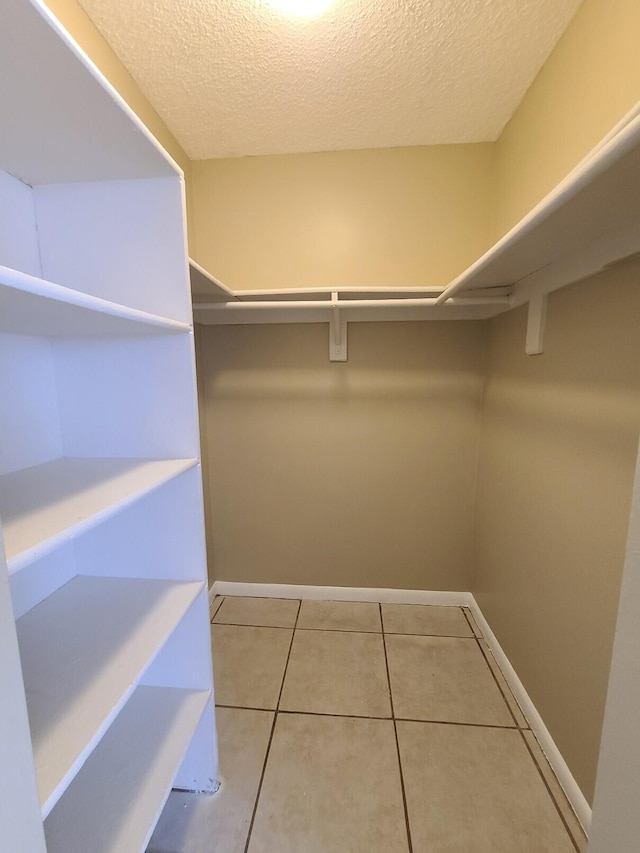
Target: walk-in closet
319	426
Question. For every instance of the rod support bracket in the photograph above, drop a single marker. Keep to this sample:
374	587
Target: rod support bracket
337	332
536	319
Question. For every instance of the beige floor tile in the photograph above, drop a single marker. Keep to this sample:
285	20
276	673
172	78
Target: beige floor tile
502	681
331	785
263	612
219	824
558	794
425	619
248	664
443	678
337	673
340	616
475	789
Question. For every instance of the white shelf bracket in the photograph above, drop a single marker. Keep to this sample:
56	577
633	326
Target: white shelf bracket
337	332
536	319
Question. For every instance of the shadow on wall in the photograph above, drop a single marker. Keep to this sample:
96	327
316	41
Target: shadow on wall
354	474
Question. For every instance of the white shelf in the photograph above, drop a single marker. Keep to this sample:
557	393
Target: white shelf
68	123
45	505
590	220
83	651
33	306
116	799
206	288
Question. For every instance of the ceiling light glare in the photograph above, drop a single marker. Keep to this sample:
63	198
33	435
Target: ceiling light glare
302	8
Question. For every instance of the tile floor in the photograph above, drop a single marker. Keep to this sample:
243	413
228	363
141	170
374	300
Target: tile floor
365	728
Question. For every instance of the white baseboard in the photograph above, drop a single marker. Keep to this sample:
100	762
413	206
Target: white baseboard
342	593
547	744
212	593
420	596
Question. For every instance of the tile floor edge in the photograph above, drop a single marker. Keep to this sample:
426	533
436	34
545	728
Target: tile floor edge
559	766
442	598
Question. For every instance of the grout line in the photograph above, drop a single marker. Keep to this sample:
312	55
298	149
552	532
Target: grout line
246	708
467	616
341	630
290	627
456	723
368	717
273	727
245	625
335	716
306	713
395	731
550	792
218	608
506	689
498	685
433	636
216	611
344	630
260	597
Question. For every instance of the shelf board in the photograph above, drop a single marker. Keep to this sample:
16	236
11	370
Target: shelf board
33	306
215	304
115	801
83	651
67	122
206	288
586	223
47	504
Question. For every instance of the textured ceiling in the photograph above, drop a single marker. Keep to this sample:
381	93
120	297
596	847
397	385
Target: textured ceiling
236	77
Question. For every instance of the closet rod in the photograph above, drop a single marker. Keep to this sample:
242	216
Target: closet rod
346	304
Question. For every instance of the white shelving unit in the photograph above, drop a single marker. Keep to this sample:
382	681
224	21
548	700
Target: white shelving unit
106	691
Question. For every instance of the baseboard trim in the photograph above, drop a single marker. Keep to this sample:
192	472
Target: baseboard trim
420	596
342	593
212	593
547	744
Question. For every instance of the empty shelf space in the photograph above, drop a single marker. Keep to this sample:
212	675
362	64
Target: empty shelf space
33	306
83	650
116	799
46	504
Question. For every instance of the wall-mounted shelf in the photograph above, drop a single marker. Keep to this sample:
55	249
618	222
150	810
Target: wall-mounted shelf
591	220
588	222
215	306
206	288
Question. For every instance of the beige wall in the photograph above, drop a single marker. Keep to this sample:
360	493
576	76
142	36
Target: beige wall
387	217
78	24
589	82
558	450
354	474
561	430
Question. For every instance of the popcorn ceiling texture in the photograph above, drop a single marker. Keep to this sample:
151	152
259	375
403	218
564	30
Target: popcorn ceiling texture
240	78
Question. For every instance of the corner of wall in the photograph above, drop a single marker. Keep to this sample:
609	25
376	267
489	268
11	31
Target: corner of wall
486	327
